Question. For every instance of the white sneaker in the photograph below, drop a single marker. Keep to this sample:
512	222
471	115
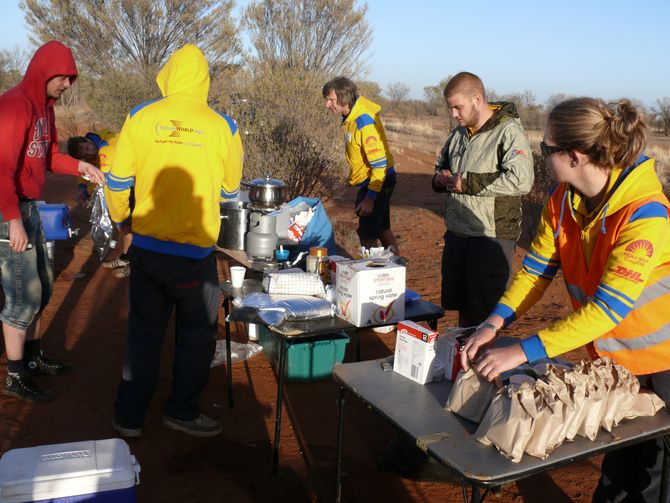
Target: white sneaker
122	272
116	263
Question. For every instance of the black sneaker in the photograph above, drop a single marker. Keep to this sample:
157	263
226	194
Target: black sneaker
21	386
39	364
202	426
126	432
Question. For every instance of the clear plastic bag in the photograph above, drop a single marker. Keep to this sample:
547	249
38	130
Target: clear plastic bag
238	352
102	228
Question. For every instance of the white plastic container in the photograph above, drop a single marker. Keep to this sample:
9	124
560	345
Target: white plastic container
105	470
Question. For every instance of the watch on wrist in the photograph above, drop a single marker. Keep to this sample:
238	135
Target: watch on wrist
486	324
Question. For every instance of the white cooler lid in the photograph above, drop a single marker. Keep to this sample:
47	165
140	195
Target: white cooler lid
60	470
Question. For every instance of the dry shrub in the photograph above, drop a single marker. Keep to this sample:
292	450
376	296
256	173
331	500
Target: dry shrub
533	202
659	149
290	135
112	96
346	237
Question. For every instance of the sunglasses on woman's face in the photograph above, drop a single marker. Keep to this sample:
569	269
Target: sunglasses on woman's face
547	150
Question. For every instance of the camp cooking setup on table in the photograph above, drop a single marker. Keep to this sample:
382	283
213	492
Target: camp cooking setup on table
304	347
303	303
418	389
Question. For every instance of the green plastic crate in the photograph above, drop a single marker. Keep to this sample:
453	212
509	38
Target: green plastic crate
307	360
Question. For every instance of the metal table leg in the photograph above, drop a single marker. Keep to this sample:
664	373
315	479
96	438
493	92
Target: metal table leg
476	495
229	358
358	345
663	493
340	438
280	397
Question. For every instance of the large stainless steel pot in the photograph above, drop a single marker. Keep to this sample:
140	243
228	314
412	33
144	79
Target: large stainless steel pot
234	222
266	192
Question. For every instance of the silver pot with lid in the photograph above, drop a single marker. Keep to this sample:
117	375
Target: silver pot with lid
234	221
266	192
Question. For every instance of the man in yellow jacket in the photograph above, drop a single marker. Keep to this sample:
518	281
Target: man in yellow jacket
370	161
181	158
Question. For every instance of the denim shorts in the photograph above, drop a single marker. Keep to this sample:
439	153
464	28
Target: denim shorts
27	277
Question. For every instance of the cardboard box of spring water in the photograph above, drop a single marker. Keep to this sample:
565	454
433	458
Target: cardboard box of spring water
370	292
414	351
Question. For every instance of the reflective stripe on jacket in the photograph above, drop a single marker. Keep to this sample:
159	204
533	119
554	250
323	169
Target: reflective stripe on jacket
640	339
181	157
616	265
366	149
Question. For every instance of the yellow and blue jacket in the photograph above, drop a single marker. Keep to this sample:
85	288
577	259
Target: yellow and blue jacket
616	266
181	157
366	149
105	142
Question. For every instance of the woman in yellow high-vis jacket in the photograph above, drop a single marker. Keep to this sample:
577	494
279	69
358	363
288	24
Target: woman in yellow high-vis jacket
606	226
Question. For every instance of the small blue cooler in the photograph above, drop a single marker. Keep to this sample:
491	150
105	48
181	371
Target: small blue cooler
92	471
55	220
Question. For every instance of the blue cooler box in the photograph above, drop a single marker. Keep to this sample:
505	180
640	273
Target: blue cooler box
55	220
94	470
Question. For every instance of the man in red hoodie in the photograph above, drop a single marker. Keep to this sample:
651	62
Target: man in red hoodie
28	149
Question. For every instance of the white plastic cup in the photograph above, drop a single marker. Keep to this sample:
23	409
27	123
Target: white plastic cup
237	275
252	331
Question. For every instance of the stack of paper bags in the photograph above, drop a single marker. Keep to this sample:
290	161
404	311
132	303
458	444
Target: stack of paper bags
535	415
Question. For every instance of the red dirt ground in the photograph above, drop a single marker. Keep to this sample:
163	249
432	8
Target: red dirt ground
85	324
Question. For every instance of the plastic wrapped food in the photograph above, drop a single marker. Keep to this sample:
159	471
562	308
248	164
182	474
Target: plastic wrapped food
102	228
274	310
293	282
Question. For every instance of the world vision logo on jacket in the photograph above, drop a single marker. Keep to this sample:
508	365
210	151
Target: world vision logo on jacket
638	252
176	129
625	273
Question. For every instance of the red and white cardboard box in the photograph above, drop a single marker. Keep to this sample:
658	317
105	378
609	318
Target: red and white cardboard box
370	292
414	351
452	364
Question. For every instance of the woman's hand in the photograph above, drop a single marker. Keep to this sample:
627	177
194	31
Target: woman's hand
474	343
483	336
495	361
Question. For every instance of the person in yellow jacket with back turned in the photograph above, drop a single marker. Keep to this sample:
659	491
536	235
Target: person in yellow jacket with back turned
180	157
370	161
606	226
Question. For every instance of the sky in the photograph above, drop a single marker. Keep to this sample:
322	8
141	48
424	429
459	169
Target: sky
602	48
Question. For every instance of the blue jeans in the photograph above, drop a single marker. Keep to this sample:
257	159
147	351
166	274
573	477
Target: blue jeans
27	277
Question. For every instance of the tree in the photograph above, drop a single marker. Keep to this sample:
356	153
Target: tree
290	134
12	67
119	45
662	111
555	99
434	96
297	46
370	89
327	37
140	34
397	93
530	113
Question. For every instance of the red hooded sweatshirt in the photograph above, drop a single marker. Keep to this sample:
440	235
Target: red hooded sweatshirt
29	144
